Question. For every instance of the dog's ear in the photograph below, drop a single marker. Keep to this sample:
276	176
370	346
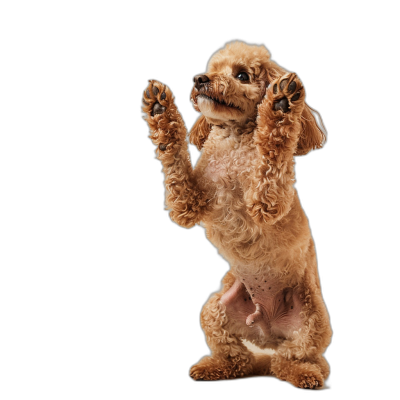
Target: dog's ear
273	71
312	136
200	131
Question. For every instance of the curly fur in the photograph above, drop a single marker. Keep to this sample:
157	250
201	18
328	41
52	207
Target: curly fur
242	192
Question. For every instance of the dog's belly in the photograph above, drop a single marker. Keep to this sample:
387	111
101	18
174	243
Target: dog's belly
261	307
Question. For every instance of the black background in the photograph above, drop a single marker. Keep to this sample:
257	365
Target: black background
158	275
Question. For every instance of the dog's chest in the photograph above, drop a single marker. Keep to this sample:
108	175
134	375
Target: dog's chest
228	173
231	162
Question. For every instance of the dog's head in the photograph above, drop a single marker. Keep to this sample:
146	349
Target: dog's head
233	86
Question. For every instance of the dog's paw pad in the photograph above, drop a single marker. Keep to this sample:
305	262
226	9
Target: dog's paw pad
292	87
283	84
296	97
286	90
155	98
157	109
282	104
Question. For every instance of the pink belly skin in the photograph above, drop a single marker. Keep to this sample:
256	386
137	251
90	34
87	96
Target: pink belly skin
256	302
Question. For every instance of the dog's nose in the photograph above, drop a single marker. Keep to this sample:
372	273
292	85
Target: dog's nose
200	80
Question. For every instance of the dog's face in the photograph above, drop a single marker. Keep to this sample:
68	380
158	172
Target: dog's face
234	84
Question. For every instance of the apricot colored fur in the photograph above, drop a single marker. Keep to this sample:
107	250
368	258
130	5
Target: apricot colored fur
242	192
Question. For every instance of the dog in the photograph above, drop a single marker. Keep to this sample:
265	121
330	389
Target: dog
253	121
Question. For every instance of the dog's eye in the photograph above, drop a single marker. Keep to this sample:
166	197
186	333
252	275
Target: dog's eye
242	76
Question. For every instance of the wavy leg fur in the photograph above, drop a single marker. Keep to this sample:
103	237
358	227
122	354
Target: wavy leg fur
303	374
168	132
298	360
230	358
271	193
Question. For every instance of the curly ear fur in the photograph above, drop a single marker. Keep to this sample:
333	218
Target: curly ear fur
312	136
199	132
274	71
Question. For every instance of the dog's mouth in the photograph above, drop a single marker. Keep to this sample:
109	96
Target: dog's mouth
218	101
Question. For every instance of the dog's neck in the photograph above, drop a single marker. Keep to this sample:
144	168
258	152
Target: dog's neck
237	127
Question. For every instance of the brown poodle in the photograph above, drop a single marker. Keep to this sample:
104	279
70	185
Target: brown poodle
254	121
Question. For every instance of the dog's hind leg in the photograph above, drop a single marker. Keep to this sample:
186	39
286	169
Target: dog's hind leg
230	358
303	374
167	130
299	360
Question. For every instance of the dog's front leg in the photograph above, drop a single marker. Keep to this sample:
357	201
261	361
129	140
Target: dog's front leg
168	132
271	192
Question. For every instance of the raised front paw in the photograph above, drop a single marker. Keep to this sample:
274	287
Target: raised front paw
287	93
167	129
166	125
156	98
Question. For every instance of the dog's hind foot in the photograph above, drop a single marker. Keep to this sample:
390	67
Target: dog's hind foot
212	369
305	375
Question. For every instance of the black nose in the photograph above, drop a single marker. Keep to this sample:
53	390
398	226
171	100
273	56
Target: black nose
200	80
